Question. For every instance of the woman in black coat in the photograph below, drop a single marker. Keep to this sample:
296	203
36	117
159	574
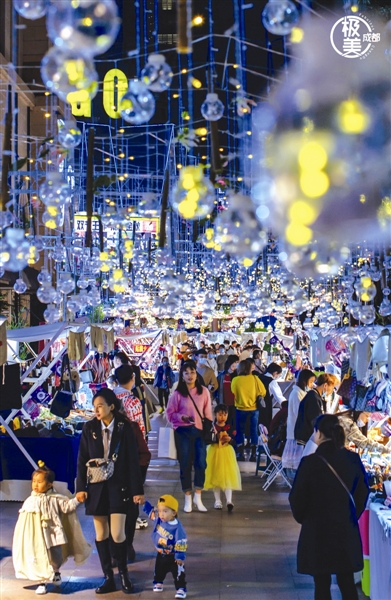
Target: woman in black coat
329	541
312	405
108	501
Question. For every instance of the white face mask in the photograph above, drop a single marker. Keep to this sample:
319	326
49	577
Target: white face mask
360	423
211	355
201	361
222	351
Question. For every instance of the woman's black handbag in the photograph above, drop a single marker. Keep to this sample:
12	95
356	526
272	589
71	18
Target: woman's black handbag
208	430
62	403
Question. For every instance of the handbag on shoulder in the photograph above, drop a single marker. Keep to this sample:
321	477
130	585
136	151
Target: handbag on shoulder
208	430
101	469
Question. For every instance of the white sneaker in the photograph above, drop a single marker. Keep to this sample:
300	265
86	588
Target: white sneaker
158	587
57	578
218	504
188	504
141	523
198	502
41	589
181	593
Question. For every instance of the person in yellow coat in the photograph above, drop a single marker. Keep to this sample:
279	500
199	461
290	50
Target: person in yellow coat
222	471
47	533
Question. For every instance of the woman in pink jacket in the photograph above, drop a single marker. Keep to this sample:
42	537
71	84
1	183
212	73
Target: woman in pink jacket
185	418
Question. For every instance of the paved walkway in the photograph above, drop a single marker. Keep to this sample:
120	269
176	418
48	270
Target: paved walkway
249	554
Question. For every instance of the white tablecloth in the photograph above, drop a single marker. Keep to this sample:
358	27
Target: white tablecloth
380	553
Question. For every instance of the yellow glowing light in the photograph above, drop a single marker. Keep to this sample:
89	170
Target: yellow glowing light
196	83
354	8
297	35
202	131
47	115
175	95
240	178
86	22
47	93
193	195
353	118
184	71
187	118
366	282
198	20
314	184
249	132
52	210
50	224
122	155
187	209
247	262
203	139
363	198
298	235
121	130
235	66
107	160
121	178
179	166
131	157
250	156
117	274
188	181
312	156
303	212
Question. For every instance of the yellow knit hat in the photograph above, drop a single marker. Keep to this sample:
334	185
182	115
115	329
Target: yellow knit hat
169	501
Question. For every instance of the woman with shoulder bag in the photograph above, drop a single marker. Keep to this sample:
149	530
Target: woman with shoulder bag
107	487
186	409
328	496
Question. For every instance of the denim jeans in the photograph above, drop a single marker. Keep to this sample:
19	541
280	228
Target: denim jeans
241	420
191	450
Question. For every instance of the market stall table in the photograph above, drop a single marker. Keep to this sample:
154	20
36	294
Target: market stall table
380	552
59	454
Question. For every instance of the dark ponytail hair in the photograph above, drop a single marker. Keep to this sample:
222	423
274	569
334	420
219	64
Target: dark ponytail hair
331	428
304	376
110	398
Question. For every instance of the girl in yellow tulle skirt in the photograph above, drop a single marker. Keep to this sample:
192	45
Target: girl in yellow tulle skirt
222	471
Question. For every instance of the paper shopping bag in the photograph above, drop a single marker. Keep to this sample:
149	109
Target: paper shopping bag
166	443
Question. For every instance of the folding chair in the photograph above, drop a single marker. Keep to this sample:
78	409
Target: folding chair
275	466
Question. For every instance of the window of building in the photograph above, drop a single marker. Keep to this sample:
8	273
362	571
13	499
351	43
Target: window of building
167	4
167	38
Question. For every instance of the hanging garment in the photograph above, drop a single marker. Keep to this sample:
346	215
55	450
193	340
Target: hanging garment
3	343
97	338
360	357
76	346
109	340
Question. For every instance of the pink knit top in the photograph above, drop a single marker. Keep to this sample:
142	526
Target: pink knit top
179	406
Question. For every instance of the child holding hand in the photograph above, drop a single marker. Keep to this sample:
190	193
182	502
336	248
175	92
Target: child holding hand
222	471
46	533
170	542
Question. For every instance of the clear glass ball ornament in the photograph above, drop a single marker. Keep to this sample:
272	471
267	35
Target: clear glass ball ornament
82	283
194	196
280	16
14	250
19	286
137	106
85	299
212	109
53	217
385	308
44	276
6	218
38	242
73	303
64	72
157	74
367	314
31	9
46	294
69	136
149	205
52	314
54	191
95	297
58	254
65	283
89	27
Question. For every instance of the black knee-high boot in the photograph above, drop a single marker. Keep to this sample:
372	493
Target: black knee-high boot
120	554
105	560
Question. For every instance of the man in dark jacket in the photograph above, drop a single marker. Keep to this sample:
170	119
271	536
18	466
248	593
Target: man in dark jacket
164	380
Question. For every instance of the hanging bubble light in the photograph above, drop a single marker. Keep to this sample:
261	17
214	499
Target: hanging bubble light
137	106
194	195
212	109
88	27
157	74
14	250
69	135
280	16
65	72
31	9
